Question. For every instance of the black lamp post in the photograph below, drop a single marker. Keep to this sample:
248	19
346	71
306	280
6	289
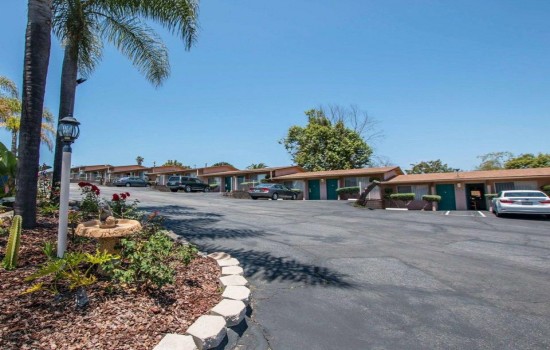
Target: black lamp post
68	131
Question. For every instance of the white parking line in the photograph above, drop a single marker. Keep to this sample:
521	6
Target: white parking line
447	213
480	213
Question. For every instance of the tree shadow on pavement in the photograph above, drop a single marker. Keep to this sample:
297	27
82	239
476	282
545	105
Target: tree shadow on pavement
268	267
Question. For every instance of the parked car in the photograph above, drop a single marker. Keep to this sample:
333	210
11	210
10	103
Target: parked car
273	191
130	181
521	202
187	184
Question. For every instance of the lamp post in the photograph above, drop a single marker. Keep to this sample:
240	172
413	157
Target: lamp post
68	132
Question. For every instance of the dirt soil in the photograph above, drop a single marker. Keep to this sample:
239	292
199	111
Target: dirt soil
113	320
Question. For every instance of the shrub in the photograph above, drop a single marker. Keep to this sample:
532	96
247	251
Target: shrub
146	262
123	210
431	198
546	189
296	190
350	190
491	195
47	208
387	192
402	196
90	203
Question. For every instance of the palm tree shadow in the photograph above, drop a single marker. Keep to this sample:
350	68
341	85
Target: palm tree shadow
268	267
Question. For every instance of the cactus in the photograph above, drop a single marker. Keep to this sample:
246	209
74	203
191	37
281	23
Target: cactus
12	249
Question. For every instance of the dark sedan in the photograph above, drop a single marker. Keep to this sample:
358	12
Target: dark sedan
130	181
273	191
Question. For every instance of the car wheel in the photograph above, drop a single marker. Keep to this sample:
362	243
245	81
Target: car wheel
128	184
497	214
206	189
294	197
254	198
174	189
187	188
275	196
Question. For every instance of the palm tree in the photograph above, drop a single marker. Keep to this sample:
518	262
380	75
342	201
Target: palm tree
37	57
13	125
257	166
83	25
139	160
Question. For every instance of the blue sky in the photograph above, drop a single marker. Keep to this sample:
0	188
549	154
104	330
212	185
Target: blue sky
446	80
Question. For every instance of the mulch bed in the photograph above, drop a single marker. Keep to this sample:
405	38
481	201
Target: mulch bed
117	320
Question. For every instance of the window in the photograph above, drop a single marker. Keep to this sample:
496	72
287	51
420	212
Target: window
300	185
356	181
404	189
418	190
504	186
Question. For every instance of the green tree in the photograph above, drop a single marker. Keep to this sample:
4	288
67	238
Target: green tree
10	119
528	160
83	25
257	166
323	145
172	163
493	160
221	163
431	166
35	71
139	160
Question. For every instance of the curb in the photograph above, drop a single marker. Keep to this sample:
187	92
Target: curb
209	330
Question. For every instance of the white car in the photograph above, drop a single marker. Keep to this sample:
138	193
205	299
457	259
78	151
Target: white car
521	202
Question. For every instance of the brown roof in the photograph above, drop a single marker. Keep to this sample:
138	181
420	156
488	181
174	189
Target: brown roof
254	171
168	169
92	167
128	168
508	174
338	173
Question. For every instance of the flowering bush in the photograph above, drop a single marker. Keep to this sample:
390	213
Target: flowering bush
123	210
90	203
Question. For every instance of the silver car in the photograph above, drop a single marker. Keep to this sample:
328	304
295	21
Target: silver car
273	191
130	181
521	202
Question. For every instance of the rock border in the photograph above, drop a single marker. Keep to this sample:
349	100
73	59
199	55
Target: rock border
209	330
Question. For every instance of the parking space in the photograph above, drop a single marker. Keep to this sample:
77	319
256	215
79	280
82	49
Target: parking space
326	275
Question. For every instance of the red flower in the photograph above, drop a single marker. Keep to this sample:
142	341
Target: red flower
81	184
123	195
127	194
116	198
95	189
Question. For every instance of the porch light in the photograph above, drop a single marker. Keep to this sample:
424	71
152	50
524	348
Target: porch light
68	129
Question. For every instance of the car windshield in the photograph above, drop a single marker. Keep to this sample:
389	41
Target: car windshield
173	178
265	185
524	194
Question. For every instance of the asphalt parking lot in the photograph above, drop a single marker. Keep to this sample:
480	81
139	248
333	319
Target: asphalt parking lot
326	275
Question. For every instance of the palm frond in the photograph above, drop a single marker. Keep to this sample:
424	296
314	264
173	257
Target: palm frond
140	44
9	87
178	16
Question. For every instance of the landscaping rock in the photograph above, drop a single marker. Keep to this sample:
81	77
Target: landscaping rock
176	342
219	256
232	270
208	331
228	262
232	311
237	293
233	280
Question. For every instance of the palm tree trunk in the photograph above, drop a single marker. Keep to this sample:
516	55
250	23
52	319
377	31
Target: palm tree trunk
66	106
37	57
14	143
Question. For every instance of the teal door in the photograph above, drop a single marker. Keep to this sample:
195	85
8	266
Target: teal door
228	184
332	185
447	193
314	189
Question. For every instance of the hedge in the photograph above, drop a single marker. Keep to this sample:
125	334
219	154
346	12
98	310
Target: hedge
342	190
431	198
402	196
491	195
546	188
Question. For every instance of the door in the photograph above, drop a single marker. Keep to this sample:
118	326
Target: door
332	186
314	190
447	193
227	181
475	197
